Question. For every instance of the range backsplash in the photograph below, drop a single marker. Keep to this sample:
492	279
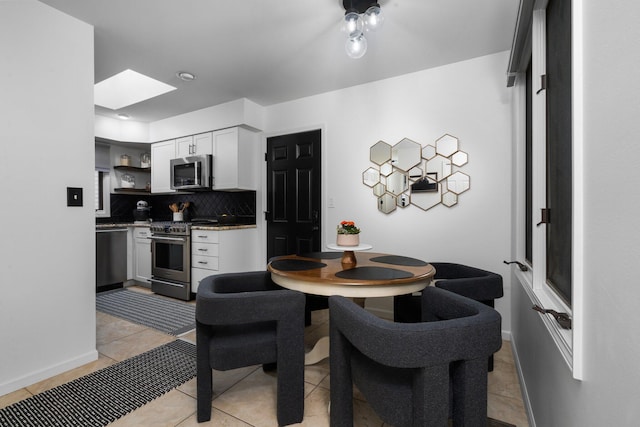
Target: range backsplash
208	204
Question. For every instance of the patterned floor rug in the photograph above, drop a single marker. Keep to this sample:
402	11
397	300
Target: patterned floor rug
171	316
104	396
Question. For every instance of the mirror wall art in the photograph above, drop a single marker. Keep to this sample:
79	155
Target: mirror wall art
409	174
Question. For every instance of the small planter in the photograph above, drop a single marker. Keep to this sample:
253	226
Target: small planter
348	239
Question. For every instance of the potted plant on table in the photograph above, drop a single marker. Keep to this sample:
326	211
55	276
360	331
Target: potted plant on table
348	234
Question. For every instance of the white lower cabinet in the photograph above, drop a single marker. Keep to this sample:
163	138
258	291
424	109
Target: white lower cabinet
141	255
221	251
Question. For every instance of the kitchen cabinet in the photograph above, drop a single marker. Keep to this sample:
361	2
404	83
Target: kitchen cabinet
111	257
219	252
142	255
194	145
235	159
161	155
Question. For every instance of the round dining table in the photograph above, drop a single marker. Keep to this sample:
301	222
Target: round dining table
326	274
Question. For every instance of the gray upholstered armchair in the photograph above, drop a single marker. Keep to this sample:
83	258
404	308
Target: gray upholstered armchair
471	282
245	319
414	374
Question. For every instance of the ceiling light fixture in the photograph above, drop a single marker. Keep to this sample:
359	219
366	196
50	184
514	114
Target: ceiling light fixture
360	16
123	116
186	76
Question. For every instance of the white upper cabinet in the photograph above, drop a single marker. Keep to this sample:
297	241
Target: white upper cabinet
194	145
235	159
161	155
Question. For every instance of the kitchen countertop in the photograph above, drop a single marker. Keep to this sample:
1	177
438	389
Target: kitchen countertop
194	227
108	225
223	227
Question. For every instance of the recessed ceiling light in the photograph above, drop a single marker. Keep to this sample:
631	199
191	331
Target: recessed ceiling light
123	116
127	88
186	76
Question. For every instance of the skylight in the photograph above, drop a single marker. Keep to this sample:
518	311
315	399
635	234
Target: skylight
127	88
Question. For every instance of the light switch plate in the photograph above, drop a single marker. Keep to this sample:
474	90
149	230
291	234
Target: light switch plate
74	196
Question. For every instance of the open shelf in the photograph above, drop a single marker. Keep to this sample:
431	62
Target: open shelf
132	169
132	190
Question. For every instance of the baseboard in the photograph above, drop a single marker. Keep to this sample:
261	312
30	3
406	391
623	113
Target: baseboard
523	385
49	372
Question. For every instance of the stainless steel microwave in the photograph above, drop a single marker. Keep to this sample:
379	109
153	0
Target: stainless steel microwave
192	173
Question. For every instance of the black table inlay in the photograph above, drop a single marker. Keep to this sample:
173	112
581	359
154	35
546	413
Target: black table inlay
373	273
296	264
321	255
400	260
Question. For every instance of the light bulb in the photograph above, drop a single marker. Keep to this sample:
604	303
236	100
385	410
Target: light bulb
353	24
356	47
373	18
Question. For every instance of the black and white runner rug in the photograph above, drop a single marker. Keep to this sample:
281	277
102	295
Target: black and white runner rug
171	316
104	396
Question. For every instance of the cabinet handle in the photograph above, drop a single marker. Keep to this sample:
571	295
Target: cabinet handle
203	237
203	250
203	262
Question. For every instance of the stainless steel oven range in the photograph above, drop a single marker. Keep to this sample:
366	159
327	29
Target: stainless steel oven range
171	259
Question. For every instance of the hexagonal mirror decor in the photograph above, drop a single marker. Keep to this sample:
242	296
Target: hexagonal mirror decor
415	173
424	177
405	154
397	182
440	166
459	158
403	200
458	182
428	151
446	145
387	203
371	177
449	199
427	200
379	189
380	153
386	169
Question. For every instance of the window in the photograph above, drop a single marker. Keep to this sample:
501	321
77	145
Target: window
101	193
549	119
528	255
559	151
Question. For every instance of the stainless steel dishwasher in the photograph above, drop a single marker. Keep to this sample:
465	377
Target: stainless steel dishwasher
111	258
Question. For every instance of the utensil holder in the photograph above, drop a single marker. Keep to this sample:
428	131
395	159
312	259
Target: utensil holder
177	216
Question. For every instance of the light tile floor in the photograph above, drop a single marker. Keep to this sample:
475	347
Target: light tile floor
246	397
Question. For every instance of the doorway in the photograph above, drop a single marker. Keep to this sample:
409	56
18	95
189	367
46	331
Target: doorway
293	193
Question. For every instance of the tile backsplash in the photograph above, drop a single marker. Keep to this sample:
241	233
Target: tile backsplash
208	204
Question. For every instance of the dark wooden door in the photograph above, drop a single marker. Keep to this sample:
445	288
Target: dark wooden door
293	193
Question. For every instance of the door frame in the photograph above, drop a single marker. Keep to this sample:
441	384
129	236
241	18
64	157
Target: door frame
261	195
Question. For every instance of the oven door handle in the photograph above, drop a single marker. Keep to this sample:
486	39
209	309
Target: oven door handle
169	239
178	285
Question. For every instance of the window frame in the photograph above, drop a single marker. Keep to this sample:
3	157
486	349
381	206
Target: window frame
105	183
568	342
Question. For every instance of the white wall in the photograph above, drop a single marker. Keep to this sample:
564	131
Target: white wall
47	263
609	393
121	130
234	113
468	100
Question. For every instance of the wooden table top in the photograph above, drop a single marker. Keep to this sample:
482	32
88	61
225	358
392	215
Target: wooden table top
374	275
